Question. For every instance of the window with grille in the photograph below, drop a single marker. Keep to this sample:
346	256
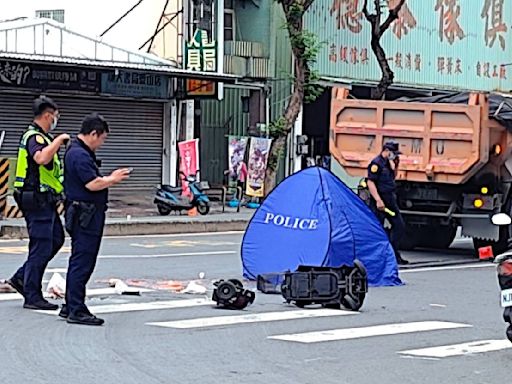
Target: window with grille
229	21
55	14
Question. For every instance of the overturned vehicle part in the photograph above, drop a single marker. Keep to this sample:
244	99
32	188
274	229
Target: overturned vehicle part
331	287
230	294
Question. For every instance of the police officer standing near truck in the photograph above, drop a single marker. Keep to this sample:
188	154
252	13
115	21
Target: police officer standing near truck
38	189
86	203
382	172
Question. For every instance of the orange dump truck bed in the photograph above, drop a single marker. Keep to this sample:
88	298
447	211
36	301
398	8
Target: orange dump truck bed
442	143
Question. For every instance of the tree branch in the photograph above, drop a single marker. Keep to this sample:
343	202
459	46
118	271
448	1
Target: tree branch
378	30
307	4
285	4
365	10
378	11
393	15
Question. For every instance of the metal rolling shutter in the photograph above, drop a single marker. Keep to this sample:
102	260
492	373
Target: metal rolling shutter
15	115
135	139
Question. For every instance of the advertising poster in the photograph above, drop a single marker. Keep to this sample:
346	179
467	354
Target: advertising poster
236	154
258	157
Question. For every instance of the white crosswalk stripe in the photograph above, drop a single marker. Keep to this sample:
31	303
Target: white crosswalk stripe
10	296
462	349
375	330
286	314
146	306
252	318
90	292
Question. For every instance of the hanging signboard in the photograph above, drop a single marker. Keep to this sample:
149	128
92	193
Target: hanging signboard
438	44
201	88
136	84
14	74
201	55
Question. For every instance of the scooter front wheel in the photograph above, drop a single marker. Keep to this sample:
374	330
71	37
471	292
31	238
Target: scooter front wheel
509	333
203	208
163	210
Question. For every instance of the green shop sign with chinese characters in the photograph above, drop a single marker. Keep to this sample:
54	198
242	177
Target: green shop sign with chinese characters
444	44
201	55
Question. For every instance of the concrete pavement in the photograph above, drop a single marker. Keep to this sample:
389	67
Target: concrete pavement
444	325
145	225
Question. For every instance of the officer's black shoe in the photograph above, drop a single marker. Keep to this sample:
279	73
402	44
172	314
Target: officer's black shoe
17	284
42	305
84	319
401	261
64	311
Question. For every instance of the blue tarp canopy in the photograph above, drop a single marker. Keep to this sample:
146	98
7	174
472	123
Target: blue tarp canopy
313	218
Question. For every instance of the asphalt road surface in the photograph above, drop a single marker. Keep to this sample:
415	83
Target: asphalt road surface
443	326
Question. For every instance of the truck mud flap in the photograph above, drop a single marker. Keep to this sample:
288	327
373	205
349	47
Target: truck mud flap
480	229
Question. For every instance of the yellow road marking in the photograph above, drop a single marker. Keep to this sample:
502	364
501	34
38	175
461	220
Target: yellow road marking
24	249
181	243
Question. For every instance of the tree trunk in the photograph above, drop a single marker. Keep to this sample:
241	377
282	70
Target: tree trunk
387	74
378	30
292	111
278	145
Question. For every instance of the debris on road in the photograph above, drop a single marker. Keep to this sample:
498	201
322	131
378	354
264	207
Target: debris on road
6	288
194	287
56	288
122	288
169	285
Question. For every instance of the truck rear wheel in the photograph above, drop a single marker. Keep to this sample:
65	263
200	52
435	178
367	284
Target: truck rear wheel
436	237
410	239
440	237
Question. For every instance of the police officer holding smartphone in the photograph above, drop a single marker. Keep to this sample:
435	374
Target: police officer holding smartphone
38	189
86	203
382	172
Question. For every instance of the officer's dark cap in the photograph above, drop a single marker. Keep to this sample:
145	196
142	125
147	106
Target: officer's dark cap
42	104
392	146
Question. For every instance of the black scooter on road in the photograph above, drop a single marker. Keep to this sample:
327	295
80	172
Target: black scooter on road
504	270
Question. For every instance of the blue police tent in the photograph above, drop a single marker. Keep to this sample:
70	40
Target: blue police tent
313	218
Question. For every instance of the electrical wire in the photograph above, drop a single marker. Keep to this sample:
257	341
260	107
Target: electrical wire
121	18
157	25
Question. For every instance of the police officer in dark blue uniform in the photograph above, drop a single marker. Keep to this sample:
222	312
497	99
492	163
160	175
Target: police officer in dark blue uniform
86	203
381	184
38	188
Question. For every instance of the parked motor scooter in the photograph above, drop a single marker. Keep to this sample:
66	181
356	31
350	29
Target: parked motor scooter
168	198
504	262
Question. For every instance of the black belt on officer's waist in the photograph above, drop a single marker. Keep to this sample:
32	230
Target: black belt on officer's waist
32	199
81	212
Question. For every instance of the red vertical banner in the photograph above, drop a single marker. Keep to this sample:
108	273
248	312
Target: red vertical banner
189	161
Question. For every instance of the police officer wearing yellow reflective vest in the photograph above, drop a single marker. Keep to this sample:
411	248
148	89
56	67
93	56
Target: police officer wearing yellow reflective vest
38	189
381	184
86	203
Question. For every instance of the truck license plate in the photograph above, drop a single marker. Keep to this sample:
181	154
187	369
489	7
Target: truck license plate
427	194
506	298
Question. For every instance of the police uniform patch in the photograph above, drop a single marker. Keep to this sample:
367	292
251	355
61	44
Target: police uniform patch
39	139
374	168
